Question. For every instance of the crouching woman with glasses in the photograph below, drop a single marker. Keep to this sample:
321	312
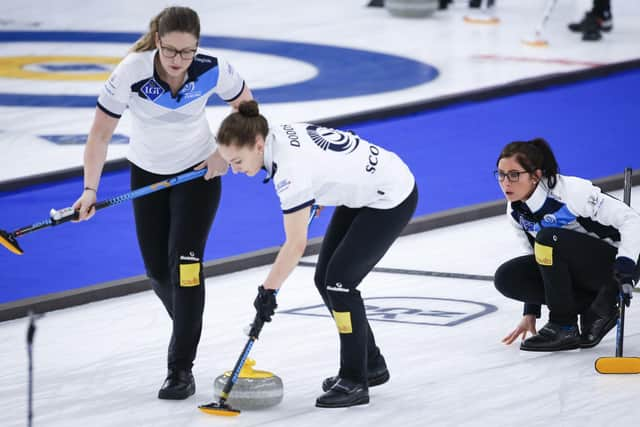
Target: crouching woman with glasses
583	248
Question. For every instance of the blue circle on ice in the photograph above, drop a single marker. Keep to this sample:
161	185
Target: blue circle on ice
341	72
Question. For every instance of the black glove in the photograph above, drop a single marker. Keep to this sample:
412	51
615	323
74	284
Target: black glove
623	271
255	328
265	303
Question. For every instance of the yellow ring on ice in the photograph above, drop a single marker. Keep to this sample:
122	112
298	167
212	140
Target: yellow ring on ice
15	67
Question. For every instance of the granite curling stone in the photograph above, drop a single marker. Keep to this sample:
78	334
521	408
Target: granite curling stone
254	389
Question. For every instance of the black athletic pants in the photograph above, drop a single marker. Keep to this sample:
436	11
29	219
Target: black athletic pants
172	226
570	273
354	242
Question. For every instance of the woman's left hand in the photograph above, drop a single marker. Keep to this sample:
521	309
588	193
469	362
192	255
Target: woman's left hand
215	164
526	325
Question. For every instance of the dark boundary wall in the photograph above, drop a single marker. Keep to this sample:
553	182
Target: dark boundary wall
17	309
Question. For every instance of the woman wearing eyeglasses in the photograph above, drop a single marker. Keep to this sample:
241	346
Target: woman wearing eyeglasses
583	247
165	82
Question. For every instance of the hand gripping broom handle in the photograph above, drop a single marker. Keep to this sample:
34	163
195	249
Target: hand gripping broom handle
68	214
256	327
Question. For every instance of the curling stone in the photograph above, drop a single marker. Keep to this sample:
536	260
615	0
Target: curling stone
411	8
253	390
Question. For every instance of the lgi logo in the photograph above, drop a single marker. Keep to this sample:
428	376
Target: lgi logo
152	90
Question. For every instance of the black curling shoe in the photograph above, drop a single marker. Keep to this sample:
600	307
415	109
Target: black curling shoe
377	374
553	337
604	22
343	394
591	32
595	327
375	377
178	386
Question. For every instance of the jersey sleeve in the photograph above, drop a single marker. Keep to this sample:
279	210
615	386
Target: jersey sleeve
230	84
530	308
294	190
588	200
114	96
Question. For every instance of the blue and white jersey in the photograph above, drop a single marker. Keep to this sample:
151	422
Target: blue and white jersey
312	164
169	133
576	204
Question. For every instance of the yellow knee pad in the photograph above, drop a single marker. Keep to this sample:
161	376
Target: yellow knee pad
544	254
343	321
189	274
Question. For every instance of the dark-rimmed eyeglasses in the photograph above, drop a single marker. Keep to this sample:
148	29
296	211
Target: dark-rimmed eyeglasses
512	176
169	52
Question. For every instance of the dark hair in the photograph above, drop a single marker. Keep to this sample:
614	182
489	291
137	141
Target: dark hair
533	155
174	18
241	127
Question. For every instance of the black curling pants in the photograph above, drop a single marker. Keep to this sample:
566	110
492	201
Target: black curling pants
354	242
172	227
570	272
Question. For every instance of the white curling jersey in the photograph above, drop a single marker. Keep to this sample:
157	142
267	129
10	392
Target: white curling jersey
169	133
311	164
576	204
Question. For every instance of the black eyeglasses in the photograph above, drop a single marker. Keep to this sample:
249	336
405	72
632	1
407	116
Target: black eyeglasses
169	52
512	176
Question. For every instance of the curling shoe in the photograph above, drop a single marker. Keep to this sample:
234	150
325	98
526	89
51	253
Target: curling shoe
595	327
553	337
178	386
604	22
591	32
376	376
343	394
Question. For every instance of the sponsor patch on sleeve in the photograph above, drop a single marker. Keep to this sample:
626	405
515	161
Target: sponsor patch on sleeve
281	186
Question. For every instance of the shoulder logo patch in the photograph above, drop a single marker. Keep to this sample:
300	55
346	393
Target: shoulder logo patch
331	139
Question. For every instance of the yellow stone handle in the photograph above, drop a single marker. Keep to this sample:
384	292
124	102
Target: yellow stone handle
247	371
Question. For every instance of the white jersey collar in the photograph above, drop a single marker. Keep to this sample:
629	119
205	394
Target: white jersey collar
538	197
